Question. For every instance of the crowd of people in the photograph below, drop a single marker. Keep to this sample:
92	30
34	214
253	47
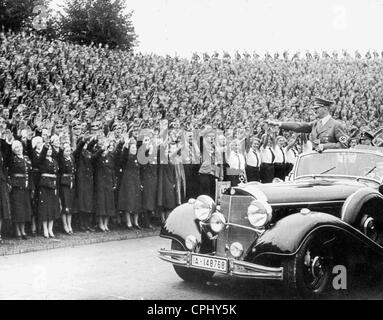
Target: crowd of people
107	134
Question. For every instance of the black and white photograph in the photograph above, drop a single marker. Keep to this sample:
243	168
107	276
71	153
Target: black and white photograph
191	150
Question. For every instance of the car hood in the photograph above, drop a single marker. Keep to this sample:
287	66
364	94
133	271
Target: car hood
302	192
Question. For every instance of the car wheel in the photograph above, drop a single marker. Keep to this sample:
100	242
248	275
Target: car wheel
369	227
190	274
308	273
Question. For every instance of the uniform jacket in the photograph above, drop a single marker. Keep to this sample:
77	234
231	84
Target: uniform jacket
105	183
130	196
104	170
84	176
47	167
332	135
66	169
20	165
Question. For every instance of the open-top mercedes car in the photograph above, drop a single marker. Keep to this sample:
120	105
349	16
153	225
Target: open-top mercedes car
329	213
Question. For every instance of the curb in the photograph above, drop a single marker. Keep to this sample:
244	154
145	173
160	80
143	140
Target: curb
12	246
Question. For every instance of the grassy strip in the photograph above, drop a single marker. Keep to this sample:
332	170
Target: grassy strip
13	246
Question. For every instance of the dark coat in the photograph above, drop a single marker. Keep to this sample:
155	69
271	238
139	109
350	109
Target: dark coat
130	197
5	205
21	188
105	184
118	171
67	177
49	203
166	192
56	154
84	177
32	154
191	176
149	180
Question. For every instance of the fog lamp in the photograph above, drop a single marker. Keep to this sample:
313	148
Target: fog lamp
191	242
236	249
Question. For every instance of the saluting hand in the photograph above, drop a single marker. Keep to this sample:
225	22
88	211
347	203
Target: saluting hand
319	148
272	123
9	136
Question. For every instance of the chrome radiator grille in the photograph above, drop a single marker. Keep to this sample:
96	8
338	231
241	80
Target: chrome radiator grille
234	208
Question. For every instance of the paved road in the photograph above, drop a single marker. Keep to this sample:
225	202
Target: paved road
126	269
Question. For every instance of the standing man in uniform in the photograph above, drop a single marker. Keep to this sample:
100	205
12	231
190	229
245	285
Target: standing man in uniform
366	138
325	133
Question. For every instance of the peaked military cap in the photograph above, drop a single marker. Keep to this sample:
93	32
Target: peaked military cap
365	135
321	102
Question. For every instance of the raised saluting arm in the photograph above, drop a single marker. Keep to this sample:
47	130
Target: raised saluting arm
304	127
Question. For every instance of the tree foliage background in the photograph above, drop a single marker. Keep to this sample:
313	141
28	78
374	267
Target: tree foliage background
80	21
16	14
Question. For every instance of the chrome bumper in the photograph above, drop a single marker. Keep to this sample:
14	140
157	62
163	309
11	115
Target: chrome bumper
235	267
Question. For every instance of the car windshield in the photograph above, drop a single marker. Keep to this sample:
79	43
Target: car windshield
346	163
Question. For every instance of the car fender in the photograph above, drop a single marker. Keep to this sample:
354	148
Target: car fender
182	223
354	203
287	235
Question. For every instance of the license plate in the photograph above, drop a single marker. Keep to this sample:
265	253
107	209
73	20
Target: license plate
214	264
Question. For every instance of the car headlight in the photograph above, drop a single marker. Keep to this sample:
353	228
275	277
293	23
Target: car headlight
217	222
204	207
259	213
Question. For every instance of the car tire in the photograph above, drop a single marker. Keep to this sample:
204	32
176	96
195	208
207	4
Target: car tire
305	274
190	274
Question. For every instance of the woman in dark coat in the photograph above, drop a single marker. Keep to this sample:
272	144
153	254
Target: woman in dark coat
167	183
66	189
22	188
5	206
34	149
118	175
49	203
84	181
130	198
149	177
105	184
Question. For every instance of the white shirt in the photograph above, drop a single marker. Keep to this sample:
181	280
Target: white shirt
236	160
325	119
251	158
307	147
291	155
267	155
280	156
